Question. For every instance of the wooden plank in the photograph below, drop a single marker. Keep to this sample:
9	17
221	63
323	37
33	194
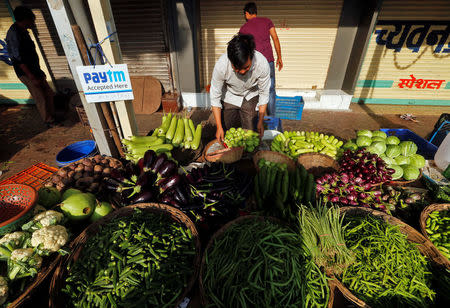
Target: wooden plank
137	84
152	95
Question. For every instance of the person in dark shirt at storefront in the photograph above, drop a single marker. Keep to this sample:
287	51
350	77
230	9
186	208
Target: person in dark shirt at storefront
25	60
262	29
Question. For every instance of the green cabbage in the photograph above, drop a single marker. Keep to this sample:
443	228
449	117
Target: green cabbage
393	151
350	145
388	160
392	140
371	150
417	160
380	147
379	133
380	139
364	132
363	141
410	172
398	171
402	160
408	148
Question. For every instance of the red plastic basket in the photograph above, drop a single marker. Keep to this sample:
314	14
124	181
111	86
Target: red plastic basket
35	176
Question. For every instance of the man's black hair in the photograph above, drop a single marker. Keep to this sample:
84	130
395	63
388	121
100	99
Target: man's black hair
23	13
240	48
250	7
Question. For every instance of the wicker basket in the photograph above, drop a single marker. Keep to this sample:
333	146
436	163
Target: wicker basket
404	182
225	155
57	283
317	163
274	157
332	283
424	245
424	216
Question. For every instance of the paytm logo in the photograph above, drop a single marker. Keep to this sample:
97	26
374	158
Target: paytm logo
103	77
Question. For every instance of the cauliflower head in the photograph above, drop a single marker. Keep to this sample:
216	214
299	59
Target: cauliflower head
49	218
3	290
14	239
51	238
24	262
25	254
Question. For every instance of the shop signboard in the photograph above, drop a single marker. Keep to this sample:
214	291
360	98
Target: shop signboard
406	63
105	83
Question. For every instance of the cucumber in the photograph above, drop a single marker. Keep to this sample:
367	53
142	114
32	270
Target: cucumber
173	126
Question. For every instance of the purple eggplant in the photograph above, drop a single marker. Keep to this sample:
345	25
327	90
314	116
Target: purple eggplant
170	182
148	159
181	195
144	196
167	169
160	159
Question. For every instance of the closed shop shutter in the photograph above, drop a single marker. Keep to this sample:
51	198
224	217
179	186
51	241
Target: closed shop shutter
12	91
140	26
408	58
306	30
51	47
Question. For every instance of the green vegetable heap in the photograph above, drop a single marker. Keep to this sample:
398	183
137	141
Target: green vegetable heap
295	143
238	137
388	271
261	264
278	191
438	229
139	260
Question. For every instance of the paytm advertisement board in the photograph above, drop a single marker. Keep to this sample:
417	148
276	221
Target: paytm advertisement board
105	83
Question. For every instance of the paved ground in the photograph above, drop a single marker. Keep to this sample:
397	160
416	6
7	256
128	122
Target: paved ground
26	141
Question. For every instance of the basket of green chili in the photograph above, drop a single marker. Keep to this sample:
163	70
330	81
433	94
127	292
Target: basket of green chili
144	255
435	226
255	261
394	264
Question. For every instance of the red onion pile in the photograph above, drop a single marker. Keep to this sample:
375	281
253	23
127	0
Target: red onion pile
355	183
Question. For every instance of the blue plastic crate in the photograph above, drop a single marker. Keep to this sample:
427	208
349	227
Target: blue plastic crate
440	133
290	108
424	147
273	123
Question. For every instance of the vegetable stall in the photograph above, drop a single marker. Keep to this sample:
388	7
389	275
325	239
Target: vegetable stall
304	219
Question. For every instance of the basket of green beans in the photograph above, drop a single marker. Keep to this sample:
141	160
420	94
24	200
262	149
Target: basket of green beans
435	226
144	255
394	264
255	261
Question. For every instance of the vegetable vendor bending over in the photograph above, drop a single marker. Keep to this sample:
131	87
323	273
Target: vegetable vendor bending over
239	86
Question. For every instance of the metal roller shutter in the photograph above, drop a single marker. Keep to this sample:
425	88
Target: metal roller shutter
50	44
412	51
306	29
140	26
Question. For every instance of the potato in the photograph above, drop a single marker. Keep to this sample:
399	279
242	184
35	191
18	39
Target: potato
88	168
77	175
93	187
62	173
71	167
97	158
106	171
98	168
79	168
60	186
70	174
56	179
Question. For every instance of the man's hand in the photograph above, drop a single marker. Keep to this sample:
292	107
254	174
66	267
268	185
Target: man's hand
260	128
279	64
220	134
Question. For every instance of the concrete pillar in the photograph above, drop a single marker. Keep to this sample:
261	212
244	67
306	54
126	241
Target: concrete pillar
96	120
103	20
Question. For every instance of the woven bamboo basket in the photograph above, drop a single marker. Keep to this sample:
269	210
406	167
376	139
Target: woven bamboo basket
225	155
318	163
424	245
56	299
333	283
274	157
404	182
424	216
